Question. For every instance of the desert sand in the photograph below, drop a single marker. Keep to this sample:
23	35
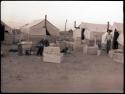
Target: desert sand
76	73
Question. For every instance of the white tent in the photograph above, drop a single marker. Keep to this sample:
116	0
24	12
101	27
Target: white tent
92	30
38	28
7	28
103	38
35	30
120	39
8	34
118	26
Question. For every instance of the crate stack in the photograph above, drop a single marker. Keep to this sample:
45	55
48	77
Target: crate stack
91	50
52	54
118	56
77	43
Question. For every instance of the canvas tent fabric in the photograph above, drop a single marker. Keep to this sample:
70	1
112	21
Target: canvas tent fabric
38	28
118	26
8	36
103	38
120	39
7	28
91	29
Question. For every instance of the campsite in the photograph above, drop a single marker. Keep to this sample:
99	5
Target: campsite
70	54
78	71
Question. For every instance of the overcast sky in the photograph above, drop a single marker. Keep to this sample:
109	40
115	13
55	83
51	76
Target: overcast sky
17	13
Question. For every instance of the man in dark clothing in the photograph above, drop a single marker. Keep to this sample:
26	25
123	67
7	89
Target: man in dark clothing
20	49
115	42
64	50
42	43
2	31
40	48
46	42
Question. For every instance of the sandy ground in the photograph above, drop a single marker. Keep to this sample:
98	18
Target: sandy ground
76	73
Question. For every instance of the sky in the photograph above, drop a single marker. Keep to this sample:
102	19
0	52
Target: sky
18	13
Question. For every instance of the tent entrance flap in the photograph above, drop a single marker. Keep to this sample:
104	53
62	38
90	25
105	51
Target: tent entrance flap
47	33
82	34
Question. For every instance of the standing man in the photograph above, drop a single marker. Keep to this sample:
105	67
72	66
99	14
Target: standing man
43	43
115	42
20	49
40	48
108	39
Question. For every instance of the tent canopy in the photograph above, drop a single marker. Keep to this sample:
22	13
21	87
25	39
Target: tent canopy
38	28
120	39
94	27
7	28
118	27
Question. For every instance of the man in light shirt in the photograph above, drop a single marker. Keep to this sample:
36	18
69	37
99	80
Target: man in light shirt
108	39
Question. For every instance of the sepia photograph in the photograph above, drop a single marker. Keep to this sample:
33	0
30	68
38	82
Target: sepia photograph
62	47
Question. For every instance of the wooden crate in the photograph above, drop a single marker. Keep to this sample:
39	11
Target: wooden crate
118	57
52	54
111	53
92	50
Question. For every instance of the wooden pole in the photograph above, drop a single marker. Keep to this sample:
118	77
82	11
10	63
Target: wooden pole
46	22
107	26
65	25
74	24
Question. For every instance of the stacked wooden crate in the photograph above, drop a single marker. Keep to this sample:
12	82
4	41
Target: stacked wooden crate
26	45
111	53
92	50
118	56
5	49
52	54
77	43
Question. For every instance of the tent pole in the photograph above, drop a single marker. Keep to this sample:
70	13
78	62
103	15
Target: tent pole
65	25
45	22
107	26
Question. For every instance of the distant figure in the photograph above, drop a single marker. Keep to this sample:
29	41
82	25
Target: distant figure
115	42
20	49
64	50
40	48
46	42
108	39
42	43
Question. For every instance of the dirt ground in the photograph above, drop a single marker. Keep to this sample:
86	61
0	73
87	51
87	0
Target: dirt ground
76	73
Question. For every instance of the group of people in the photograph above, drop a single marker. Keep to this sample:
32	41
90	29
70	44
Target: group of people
41	44
111	41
